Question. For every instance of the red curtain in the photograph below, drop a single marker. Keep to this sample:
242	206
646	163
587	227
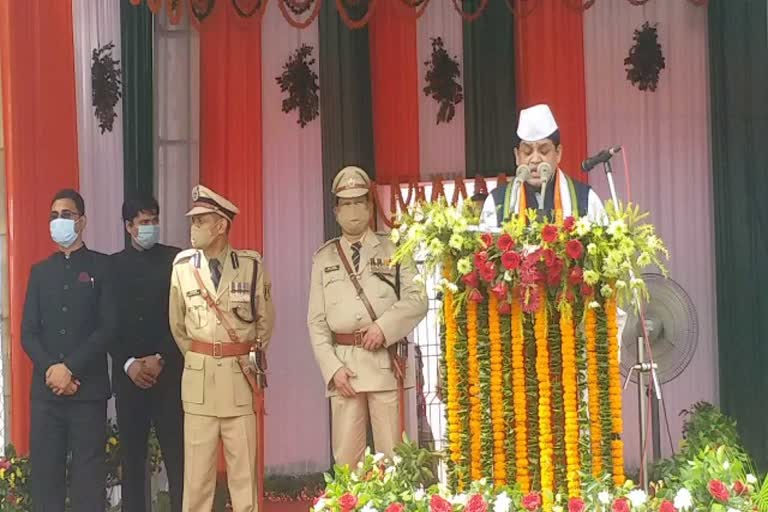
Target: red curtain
394	90
230	118
40	121
549	68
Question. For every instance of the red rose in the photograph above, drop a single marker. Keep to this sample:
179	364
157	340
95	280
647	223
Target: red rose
505	308
548	255
486	239
480	258
667	506
576	276
470	280
568	224
439	504
532	501
505	242
553	276
348	502
570	296
476	296
586	290
620	505
488	272
739	488
576	505
476	504
549	233
511	260
574	249
719	491
500	291
395	507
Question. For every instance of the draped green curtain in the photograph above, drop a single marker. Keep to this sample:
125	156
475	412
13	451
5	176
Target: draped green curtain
345	102
489	83
138	117
738	32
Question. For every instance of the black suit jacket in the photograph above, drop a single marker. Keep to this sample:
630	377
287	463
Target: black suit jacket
70	317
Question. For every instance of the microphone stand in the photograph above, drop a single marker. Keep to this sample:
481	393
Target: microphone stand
642	366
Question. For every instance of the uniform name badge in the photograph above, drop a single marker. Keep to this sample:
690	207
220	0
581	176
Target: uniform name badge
240	292
381	266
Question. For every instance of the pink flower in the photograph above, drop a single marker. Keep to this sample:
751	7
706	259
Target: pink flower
500	290
511	260
586	290
480	258
348	502
470	280
505	308
548	255
395	507
486	239
576	276
439	504
620	505
476	296
667	506
739	488
488	272
505	242
532	501
549	233
719	491
476	504
568	224
576	505
574	249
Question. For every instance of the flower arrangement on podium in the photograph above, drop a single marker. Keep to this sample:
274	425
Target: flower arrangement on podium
529	336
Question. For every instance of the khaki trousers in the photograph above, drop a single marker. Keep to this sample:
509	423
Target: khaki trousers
201	442
350	420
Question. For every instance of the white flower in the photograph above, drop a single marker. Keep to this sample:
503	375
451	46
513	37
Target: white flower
378	457
726	465
451	287
390	470
751	479
637	497
368	508
620	285
683	499
502	503
320	505
394	235
732	509
418	216
420	494
360	465
557	508
594	305
456	241
591	277
459	499
582	227
604	497
591	248
617	228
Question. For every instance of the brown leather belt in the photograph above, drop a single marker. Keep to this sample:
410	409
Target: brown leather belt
220	349
354	339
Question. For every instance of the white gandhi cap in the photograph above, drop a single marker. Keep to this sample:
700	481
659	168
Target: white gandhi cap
536	123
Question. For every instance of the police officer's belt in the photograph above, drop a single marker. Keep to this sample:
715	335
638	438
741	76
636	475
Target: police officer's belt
219	349
354	339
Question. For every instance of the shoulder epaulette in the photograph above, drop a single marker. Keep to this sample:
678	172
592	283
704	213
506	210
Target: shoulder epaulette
326	244
245	253
184	255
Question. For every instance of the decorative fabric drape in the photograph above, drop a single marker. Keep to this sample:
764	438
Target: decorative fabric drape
441	146
40	120
738	45
230	118
177	143
345	102
550	67
489	79
394	91
97	24
666	141
293	230
138	111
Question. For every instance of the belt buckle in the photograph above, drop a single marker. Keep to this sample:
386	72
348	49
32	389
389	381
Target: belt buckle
218	350
358	335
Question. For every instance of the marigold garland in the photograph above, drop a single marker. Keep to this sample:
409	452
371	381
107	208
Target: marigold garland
545	403
497	393
570	400
614	393
452	400
590	331
519	396
475	410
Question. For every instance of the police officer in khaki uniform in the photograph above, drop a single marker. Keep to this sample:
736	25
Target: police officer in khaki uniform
220	308
349	347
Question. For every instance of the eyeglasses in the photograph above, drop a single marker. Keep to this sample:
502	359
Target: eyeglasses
64	214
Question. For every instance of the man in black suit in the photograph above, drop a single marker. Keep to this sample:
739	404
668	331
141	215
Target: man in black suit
146	362
69	321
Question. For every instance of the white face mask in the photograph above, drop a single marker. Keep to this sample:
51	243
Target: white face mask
63	232
353	218
201	237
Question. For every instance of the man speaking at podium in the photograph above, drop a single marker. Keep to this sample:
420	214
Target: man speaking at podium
539	144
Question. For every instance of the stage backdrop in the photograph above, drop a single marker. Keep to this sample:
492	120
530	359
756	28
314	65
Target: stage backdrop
666	139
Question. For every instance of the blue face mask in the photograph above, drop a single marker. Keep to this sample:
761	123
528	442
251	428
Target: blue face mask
63	232
148	236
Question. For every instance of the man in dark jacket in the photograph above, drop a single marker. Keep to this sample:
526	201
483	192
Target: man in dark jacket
69	322
146	363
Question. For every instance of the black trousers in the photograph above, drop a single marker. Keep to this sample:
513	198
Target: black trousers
58	427
137	411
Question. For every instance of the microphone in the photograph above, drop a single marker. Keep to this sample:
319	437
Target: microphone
545	171
522	172
602	157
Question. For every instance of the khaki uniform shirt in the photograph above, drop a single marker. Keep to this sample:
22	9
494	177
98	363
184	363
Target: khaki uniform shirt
212	386
334	307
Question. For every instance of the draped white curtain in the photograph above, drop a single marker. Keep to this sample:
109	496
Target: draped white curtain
297	429
177	124
666	139
441	146
96	24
